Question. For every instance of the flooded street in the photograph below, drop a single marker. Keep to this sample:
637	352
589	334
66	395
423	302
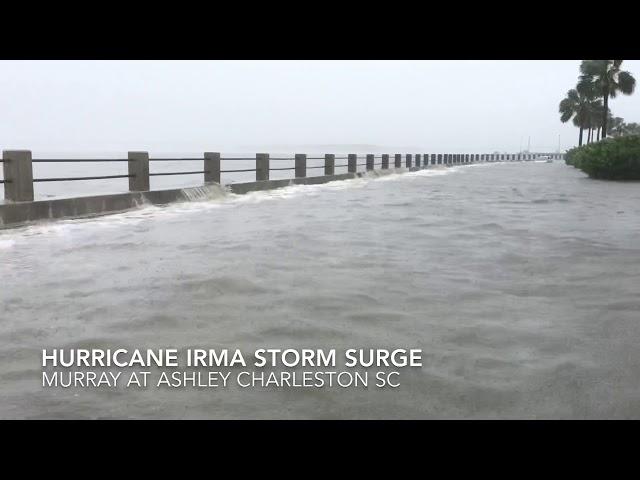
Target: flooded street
519	281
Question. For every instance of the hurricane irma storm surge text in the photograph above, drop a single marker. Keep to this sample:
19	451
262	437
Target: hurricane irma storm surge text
77	367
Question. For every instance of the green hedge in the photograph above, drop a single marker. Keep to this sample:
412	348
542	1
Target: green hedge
610	159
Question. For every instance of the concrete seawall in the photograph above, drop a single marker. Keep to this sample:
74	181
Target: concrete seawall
21	213
20	207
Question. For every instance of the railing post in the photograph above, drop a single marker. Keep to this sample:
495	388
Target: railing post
408	160
18	175
352	163
262	166
385	161
329	164
397	160
212	167
439	159
370	161
418	159
139	171
301	165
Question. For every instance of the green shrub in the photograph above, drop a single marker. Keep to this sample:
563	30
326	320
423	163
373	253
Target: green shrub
609	159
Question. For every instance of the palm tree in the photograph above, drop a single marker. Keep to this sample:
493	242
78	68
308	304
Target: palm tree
573	106
578	105
596	118
607	80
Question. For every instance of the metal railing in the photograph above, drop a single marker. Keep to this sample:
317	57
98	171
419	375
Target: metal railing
18	171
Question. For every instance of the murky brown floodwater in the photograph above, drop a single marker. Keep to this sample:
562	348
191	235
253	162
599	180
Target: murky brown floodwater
521	283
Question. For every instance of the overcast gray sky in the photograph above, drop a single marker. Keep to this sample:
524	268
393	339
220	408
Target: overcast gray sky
193	106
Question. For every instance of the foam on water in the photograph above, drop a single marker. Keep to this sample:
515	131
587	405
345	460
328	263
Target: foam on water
208	197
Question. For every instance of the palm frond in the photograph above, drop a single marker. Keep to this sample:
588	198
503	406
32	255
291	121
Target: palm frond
626	83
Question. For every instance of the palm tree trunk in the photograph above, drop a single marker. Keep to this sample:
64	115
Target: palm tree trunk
605	114
580	138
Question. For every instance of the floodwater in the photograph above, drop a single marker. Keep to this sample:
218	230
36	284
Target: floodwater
519	281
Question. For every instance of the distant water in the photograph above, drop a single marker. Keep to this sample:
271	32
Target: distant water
520	282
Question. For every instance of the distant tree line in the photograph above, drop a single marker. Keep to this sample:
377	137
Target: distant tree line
618	127
587	105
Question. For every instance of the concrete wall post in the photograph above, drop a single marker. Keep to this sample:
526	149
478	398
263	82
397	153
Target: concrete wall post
301	165
329	164
385	161
262	166
212	167
370	161
18	175
139	171
352	162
